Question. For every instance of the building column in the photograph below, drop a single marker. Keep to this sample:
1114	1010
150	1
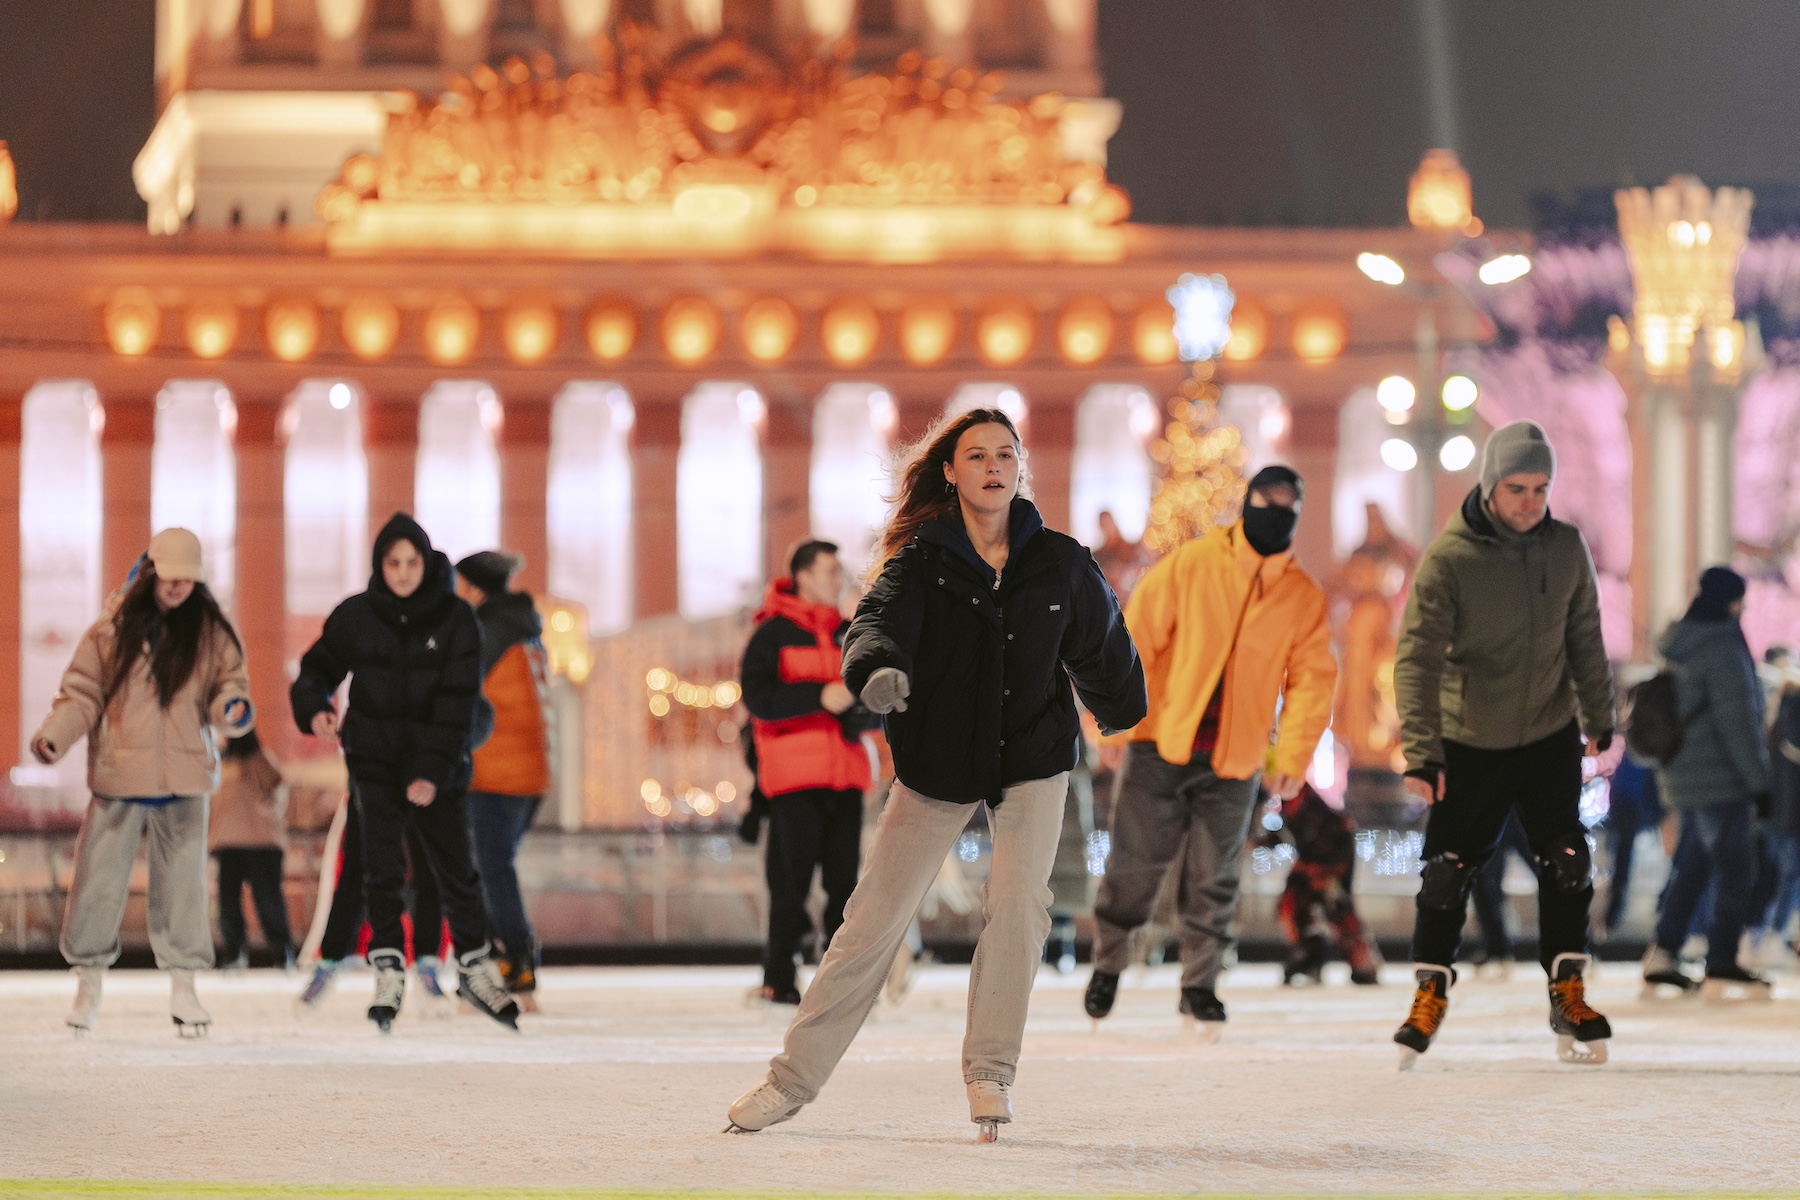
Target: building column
125	449
525	488
655	445
261	600
464	32
11	662
787	480
1715	535
1312	451
1050	452
1668	515
391	442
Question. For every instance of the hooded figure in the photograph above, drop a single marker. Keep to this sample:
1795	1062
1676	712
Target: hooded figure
413	651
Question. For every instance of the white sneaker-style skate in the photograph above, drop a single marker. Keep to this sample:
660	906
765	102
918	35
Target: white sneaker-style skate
86	1009
760	1107
390	988
990	1107
1664	977
190	1019
1734	985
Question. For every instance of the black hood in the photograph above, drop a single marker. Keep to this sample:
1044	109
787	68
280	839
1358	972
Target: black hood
1023	524
506	620
437	588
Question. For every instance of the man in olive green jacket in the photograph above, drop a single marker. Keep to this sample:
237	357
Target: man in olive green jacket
1500	669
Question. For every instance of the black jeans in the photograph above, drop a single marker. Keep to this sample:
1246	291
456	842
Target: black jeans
443	830
348	912
1490	892
1542	782
260	867
811	829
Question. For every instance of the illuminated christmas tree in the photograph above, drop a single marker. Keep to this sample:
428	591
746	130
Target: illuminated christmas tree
1201	484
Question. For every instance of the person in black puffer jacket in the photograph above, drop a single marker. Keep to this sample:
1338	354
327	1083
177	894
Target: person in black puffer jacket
978	621
413	650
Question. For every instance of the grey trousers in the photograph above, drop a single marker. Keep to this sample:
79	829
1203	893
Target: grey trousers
105	851
915	834
1159	802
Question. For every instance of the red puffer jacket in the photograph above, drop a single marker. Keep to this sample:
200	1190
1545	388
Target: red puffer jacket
792	655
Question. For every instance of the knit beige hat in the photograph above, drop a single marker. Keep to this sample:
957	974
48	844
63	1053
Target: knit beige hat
175	553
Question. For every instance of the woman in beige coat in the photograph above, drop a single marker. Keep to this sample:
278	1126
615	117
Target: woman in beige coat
153	684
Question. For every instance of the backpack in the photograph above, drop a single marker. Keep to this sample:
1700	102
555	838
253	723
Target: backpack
1654	726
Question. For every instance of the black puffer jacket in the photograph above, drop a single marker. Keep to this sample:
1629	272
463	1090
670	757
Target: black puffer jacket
416	672
990	658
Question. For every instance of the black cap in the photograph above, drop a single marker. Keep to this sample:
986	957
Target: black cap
490	570
1275	475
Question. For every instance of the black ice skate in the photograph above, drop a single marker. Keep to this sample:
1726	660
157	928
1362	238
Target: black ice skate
390	988
478	981
990	1107
1663	975
1431	999
1307	960
1102	990
1733	983
1204	1015
1581	1033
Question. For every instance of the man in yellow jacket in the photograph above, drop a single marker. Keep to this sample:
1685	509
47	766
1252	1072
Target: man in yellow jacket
1232	634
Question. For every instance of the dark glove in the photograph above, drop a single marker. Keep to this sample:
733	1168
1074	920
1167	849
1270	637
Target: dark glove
1602	742
1765	804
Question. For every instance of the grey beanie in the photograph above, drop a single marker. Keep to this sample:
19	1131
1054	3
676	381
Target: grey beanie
1517	449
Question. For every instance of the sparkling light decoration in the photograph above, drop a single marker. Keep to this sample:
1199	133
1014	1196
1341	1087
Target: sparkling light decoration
292	329
1084	333
1202	306
371	327
611	330
211	327
1684	243
1004	335
451	329
132	322
690	330
927	331
768	328
1200	461
850	329
529	332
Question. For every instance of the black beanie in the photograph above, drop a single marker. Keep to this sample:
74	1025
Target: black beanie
1276	475
490	570
1720	587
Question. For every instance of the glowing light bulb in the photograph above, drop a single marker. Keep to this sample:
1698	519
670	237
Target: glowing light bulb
768	329
340	396
1460	393
1399	455
927	331
690	330
529	332
1457	453
611	330
849	329
132	322
1153	334
1319	334
371	327
1085	331
212	328
1004	336
1381	268
1396	394
1504	269
451	328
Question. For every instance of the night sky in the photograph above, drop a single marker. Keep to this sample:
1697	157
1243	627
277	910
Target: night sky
1308	112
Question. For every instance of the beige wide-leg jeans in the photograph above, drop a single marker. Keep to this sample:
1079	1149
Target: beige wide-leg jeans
915	834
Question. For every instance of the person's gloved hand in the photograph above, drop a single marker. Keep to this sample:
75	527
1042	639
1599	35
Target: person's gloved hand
886	691
1765	804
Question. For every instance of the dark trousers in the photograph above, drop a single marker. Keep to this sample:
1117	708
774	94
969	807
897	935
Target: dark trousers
348	911
1489	892
260	867
1717	846
811	829
497	824
443	829
1541	781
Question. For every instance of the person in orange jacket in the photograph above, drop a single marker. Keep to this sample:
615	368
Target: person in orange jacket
1231	633
512	768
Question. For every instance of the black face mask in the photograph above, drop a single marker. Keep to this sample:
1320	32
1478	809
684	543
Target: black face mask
1270	530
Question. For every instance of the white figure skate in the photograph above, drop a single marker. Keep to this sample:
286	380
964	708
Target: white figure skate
191	1020
86	1009
760	1107
990	1107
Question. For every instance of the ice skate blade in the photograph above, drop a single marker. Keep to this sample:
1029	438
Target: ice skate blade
1207	1033
1729	991
1667	991
1587	1054
989	1131
1409	1058
196	1030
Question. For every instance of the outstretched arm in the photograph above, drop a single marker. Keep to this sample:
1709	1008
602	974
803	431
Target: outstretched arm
1097	650
884	634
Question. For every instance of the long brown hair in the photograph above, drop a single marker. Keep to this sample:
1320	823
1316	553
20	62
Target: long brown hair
921	492
177	651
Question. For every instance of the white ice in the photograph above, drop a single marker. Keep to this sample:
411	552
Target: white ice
623	1080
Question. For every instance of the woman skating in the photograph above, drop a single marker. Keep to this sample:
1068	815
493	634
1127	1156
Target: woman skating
152	686
978	619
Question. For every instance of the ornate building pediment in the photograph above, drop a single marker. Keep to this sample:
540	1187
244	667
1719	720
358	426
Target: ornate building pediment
719	148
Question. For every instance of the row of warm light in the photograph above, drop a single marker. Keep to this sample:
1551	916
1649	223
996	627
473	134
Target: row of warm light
691	330
1456	454
667	690
1500	269
699	801
1397	395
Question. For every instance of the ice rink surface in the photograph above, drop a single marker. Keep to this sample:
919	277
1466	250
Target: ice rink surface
623	1080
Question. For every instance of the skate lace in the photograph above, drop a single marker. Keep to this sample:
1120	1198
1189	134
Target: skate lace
482	982
389	987
1428	1010
1570	997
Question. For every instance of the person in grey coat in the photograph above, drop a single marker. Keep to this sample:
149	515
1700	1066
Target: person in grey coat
1718	783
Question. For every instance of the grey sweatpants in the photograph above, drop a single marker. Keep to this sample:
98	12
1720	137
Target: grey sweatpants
915	834
180	930
1158	802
